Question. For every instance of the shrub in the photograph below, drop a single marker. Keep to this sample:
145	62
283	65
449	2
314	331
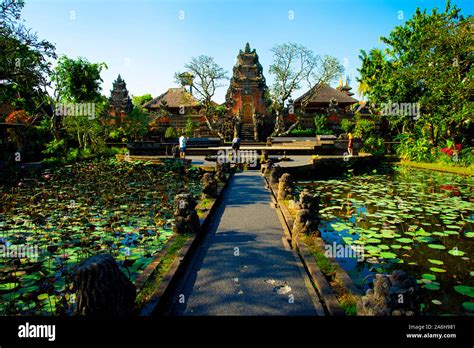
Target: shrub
191	126
55	147
346	125
320	125
374	145
170	133
302	132
72	155
413	149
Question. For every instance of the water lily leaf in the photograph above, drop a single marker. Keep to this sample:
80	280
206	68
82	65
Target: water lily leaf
424	239
428	276
431	286
437	270
469	306
436	246
404	240
8	286
441	234
454	227
10	296
456	252
42	296
465	290
436	262
388	255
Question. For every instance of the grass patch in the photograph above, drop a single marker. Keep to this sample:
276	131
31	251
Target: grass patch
291	206
441	167
163	267
347	301
324	264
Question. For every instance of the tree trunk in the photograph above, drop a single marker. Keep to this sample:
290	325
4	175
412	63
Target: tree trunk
292	127
432	135
279	123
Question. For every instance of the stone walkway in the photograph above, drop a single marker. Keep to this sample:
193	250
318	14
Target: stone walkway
243	266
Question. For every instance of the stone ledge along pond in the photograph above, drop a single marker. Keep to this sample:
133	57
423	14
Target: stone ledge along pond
74	212
416	220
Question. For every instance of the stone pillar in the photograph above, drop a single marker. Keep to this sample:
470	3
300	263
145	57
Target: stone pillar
264	157
392	295
275	173
307	216
220	176
267	169
187	220
223	167
209	186
286	186
221	170
103	290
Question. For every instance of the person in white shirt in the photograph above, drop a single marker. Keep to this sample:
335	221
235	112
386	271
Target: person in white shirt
182	145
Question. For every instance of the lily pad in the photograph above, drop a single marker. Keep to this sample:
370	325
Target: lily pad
436	246
436	262
431	286
428	276
456	252
8	286
388	255
404	240
469	306
465	290
437	270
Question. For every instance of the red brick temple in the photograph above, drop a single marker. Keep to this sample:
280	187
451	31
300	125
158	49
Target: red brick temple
245	98
120	102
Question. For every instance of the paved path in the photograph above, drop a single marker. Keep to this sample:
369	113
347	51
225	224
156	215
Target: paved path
243	268
296	160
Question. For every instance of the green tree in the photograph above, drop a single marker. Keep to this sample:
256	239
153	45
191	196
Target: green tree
135	125
171	133
140	100
427	60
78	81
293	67
24	61
207	76
191	126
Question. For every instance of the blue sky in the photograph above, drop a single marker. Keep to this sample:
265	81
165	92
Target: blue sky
147	41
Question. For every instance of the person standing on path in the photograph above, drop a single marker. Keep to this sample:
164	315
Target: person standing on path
182	145
350	144
236	144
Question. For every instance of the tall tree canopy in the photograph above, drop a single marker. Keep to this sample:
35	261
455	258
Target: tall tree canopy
207	76
24	61
295	66
427	60
77	80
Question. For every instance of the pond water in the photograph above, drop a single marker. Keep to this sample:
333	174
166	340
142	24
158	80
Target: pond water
60	218
416	220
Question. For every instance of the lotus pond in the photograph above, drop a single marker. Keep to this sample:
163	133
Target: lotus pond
415	220
76	211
